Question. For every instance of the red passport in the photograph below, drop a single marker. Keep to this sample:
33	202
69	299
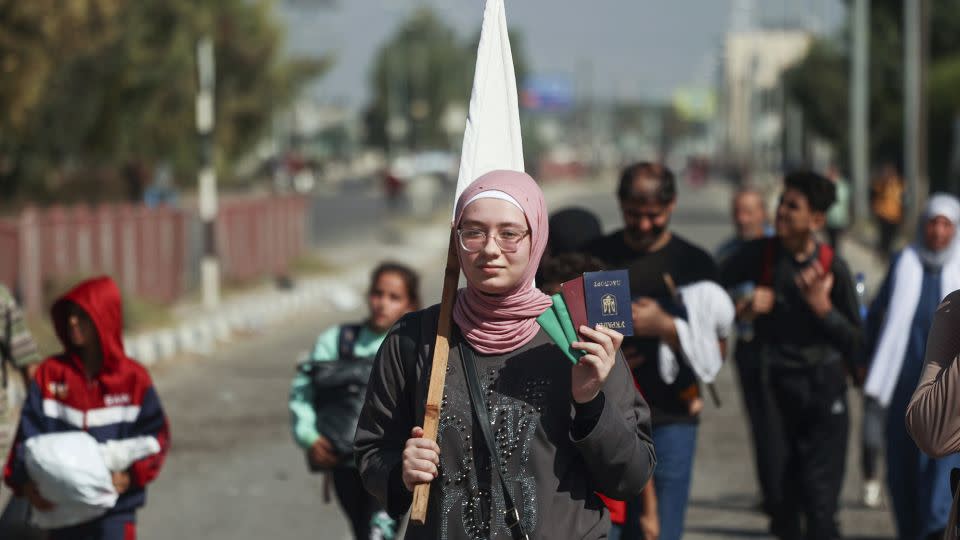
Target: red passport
573	297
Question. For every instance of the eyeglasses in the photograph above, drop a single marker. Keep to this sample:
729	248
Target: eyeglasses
473	240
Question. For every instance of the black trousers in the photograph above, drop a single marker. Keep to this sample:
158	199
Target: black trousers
750	377
809	428
874	422
356	502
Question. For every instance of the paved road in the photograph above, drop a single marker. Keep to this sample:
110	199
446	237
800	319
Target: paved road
233	472
350	206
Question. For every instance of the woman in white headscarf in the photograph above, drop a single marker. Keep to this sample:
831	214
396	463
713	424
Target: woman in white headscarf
897	326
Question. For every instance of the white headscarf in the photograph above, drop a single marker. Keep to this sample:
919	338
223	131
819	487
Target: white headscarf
907	275
939	205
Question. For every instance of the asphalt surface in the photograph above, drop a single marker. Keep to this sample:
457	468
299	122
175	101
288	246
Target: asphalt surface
234	473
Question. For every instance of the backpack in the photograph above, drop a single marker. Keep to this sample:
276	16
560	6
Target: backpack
770	249
339	389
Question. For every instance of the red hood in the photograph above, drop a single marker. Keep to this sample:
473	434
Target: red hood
100	298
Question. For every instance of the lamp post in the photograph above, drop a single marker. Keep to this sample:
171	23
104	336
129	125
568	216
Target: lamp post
859	109
914	106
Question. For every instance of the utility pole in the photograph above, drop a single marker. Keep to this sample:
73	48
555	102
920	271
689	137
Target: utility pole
859	109
207	177
396	124
916	24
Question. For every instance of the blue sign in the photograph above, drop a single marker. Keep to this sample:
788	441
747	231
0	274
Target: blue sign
547	93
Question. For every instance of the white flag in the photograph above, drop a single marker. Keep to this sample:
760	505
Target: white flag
491	140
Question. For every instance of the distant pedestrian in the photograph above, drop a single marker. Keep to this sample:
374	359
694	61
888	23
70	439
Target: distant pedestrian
18	362
394	291
134	175
807	326
393	189
95	387
649	250
838	217
558	432
751	222
887	205
899	321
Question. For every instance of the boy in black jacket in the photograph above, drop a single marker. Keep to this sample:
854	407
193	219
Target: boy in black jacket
804	312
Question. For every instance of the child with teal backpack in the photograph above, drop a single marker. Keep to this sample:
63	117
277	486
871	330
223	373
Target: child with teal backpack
323	395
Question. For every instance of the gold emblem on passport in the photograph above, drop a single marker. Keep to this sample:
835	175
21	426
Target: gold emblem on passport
609	304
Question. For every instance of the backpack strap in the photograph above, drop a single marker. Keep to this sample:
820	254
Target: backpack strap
768	262
511	516
347	340
825	256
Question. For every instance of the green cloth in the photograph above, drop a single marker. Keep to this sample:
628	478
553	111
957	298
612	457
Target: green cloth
556	322
303	417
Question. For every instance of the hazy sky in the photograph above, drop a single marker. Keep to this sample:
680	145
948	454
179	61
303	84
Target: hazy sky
625	48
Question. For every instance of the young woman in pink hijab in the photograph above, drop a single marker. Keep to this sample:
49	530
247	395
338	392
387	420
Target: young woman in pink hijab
560	432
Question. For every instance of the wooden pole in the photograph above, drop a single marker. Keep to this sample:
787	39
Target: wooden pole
438	370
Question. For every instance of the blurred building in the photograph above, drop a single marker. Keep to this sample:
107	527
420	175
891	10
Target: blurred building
759	129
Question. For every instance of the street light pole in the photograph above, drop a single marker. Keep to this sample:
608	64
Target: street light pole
914	107
859	108
207	176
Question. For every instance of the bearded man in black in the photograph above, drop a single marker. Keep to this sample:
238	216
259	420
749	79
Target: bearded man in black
648	249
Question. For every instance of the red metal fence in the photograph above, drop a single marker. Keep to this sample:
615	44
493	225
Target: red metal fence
149	252
257	237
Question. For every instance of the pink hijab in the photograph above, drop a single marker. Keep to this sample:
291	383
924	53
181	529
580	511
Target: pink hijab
498	324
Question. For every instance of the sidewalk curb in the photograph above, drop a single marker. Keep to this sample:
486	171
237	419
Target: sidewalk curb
254	313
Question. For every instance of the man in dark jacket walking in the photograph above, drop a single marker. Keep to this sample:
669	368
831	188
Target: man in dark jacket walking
806	325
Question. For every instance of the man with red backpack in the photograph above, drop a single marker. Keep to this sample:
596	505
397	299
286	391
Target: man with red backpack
806	325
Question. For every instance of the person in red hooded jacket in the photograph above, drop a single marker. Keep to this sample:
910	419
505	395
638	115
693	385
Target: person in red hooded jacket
92	386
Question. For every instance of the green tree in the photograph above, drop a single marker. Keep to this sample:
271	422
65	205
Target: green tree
121	88
819	85
421	71
36	39
416	75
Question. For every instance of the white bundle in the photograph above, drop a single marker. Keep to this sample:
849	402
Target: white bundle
120	455
69	471
710	316
72	471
